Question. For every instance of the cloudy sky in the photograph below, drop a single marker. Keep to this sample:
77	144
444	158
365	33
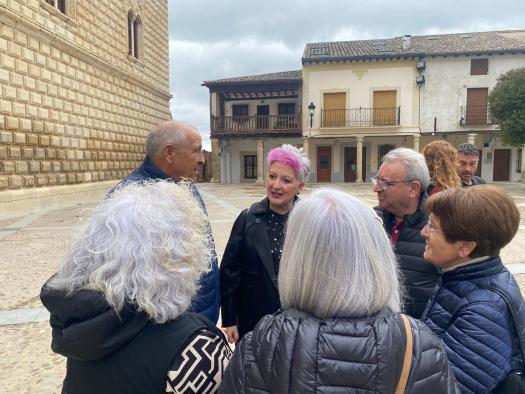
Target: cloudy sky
229	38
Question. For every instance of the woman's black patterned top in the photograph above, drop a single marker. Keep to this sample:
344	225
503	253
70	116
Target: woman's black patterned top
275	224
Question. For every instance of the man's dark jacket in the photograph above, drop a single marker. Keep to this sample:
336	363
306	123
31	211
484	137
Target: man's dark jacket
476	180
475	323
207	301
248	277
419	276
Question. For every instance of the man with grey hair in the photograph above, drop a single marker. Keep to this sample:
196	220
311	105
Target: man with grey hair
174	152
468	160
401	184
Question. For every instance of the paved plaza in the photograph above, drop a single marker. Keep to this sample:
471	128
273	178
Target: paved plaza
31	246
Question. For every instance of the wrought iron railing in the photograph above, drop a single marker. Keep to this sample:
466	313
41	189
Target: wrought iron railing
475	115
256	123
360	117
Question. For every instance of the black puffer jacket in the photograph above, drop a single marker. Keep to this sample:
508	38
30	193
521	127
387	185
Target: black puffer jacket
419	276
296	353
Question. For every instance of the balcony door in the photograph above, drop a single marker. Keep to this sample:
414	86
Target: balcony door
384	111
263	113
501	165
324	164
476	106
334	113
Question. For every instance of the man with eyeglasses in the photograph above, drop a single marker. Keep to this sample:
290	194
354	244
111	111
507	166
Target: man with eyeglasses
400	185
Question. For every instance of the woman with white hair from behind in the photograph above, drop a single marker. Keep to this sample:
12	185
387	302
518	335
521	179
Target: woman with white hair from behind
119	301
340	329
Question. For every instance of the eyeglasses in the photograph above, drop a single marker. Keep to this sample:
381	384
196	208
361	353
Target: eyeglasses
384	184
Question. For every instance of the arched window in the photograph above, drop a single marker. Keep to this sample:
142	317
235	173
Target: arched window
130	33
134	26
136	34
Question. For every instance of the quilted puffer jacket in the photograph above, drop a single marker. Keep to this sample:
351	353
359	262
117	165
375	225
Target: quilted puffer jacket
294	352
419	276
475	324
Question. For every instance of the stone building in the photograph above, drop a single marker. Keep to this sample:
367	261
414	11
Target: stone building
354	101
81	85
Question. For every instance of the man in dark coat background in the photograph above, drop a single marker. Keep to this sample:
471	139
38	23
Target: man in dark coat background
174	151
468	160
400	185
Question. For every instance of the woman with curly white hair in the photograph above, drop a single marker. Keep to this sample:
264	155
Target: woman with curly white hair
251	259
119	301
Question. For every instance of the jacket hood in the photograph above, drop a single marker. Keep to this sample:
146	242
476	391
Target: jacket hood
85	327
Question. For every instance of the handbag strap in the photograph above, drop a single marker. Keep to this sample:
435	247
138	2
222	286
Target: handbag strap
407	360
518	323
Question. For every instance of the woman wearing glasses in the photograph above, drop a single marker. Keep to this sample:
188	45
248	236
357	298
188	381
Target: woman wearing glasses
466	230
252	256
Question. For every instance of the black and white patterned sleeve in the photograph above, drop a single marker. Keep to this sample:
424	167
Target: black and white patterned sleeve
200	366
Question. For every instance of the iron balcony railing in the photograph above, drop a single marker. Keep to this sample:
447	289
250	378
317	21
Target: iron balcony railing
360	117
475	115
264	123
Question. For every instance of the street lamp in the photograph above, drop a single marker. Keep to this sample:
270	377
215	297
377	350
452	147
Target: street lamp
311	108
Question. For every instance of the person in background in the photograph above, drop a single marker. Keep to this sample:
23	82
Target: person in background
468	160
340	329
174	152
119	303
400	185
441	159
472	320
251	260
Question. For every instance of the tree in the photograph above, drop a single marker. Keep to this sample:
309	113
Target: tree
507	104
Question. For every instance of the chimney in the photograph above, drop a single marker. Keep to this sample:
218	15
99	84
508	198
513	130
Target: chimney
406	41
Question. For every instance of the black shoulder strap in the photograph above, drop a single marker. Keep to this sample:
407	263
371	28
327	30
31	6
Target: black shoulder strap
519	323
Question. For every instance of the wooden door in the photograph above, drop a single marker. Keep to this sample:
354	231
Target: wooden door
384	111
501	165
476	112
263	111
350	164
334	110
324	164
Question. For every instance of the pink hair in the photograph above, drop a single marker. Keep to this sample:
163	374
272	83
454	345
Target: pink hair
284	156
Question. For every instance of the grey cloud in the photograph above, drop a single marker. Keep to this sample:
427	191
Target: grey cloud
219	39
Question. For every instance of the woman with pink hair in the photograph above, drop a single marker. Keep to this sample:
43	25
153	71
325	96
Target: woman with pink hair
250	263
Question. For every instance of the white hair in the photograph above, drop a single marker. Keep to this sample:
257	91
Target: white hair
169	132
146	245
415	165
337	260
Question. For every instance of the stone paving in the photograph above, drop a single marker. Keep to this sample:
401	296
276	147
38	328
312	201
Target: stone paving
30	250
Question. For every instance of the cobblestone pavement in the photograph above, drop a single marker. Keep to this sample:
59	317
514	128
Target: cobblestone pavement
30	250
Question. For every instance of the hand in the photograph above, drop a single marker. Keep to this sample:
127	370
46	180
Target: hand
232	334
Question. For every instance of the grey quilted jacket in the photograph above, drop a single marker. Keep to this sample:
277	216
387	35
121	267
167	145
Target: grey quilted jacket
294	352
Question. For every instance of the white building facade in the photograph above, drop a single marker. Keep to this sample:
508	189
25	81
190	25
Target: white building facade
354	101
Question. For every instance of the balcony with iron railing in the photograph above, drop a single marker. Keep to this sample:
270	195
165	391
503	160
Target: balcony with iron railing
360	117
476	115
267	124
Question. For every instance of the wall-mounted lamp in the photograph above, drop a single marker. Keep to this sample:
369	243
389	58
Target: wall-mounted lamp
311	109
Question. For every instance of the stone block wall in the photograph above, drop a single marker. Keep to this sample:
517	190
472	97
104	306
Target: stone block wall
74	106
